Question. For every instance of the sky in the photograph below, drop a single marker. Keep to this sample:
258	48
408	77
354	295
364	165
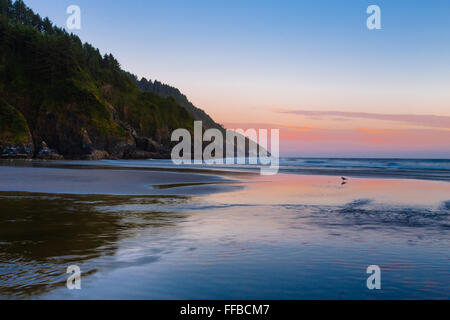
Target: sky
309	68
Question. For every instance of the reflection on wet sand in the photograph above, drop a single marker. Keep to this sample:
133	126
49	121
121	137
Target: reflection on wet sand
280	237
41	235
328	190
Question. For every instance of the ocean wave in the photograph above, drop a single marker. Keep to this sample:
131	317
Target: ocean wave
362	214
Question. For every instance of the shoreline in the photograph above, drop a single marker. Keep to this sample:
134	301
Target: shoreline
232	172
112	181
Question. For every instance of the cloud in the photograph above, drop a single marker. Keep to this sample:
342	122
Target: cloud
422	120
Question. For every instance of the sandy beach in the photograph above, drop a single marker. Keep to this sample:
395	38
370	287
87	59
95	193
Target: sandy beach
153	233
118	181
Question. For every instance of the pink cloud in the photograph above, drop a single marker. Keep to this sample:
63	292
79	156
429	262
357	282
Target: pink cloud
422	120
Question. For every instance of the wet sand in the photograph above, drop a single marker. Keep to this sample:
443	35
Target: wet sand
167	234
111	181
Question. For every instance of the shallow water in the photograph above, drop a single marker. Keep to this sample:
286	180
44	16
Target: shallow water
283	237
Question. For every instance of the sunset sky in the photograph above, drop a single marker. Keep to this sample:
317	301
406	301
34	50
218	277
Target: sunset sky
310	68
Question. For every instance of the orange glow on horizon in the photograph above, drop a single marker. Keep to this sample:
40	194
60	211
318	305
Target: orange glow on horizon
311	138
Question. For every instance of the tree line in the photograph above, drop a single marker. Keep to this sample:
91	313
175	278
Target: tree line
47	52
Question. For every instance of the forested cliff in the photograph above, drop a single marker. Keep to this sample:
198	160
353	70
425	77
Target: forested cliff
60	97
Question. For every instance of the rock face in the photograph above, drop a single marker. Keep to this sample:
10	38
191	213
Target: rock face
17	151
15	137
46	153
97	155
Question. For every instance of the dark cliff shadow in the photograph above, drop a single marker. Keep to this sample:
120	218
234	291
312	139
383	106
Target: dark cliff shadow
41	235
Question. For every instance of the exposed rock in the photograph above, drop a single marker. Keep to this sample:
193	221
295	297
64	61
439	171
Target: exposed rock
17	151
86	140
122	148
97	155
45	153
147	144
